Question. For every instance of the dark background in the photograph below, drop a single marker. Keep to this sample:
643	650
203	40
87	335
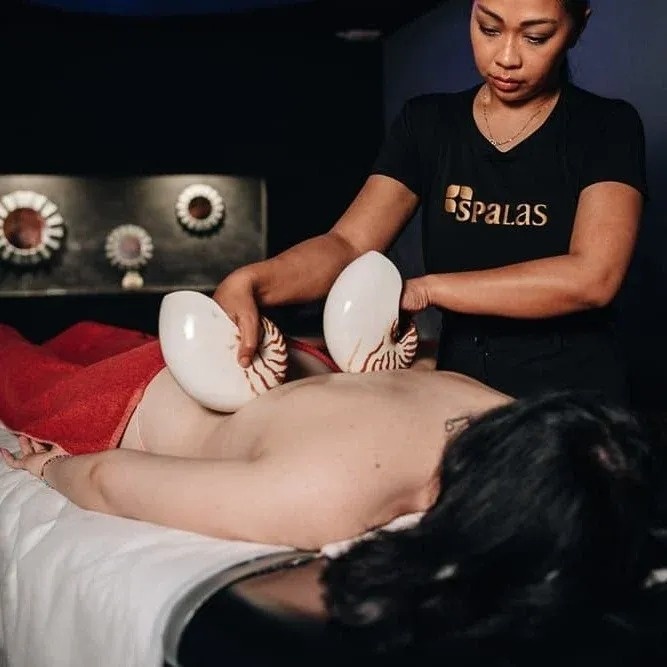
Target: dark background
271	94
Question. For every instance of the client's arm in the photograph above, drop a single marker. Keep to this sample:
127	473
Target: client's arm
261	501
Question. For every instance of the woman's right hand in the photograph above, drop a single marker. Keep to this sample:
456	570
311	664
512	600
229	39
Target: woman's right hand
236	295
34	456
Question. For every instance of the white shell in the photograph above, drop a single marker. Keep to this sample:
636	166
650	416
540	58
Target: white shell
361	317
200	344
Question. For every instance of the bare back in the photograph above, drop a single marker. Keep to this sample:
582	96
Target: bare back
367	444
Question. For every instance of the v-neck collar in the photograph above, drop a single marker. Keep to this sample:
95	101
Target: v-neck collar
489	151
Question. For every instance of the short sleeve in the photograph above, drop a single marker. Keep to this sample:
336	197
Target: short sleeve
619	152
399	156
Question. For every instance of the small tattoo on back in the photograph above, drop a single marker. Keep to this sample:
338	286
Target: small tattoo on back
457	423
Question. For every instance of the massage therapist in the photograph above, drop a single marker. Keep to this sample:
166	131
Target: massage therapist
531	192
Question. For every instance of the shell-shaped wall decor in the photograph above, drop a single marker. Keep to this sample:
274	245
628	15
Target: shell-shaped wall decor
200	208
200	345
128	247
361	318
31	228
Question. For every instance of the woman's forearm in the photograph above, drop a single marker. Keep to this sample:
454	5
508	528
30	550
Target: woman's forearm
306	271
588	276
75	478
541	288
302	273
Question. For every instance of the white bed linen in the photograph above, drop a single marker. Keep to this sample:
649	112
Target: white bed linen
80	588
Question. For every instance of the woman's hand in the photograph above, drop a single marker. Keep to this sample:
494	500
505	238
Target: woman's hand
235	294
34	455
415	296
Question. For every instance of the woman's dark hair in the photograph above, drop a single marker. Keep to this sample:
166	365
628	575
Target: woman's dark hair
577	9
543	519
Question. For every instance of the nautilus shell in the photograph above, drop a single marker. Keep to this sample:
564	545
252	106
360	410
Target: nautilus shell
361	318
200	345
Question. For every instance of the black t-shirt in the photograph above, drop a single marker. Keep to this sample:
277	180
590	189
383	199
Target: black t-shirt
482	208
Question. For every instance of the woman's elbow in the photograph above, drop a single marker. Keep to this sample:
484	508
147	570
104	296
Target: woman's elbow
99	498
599	290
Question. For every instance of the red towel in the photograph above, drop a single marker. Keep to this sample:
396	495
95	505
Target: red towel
80	388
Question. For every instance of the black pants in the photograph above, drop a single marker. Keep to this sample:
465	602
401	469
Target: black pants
521	364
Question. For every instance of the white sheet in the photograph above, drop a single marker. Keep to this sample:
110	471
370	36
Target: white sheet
79	588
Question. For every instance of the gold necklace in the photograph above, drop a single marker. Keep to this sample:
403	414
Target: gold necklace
492	139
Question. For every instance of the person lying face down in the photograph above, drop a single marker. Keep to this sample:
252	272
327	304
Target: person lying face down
536	511
312	461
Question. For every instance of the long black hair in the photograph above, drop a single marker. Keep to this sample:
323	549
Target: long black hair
544	520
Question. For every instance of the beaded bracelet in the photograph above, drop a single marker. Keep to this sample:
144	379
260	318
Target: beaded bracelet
51	460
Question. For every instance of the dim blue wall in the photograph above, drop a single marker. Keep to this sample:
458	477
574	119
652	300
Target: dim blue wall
623	53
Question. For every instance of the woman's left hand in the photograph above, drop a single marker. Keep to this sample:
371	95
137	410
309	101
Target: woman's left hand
415	296
33	455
